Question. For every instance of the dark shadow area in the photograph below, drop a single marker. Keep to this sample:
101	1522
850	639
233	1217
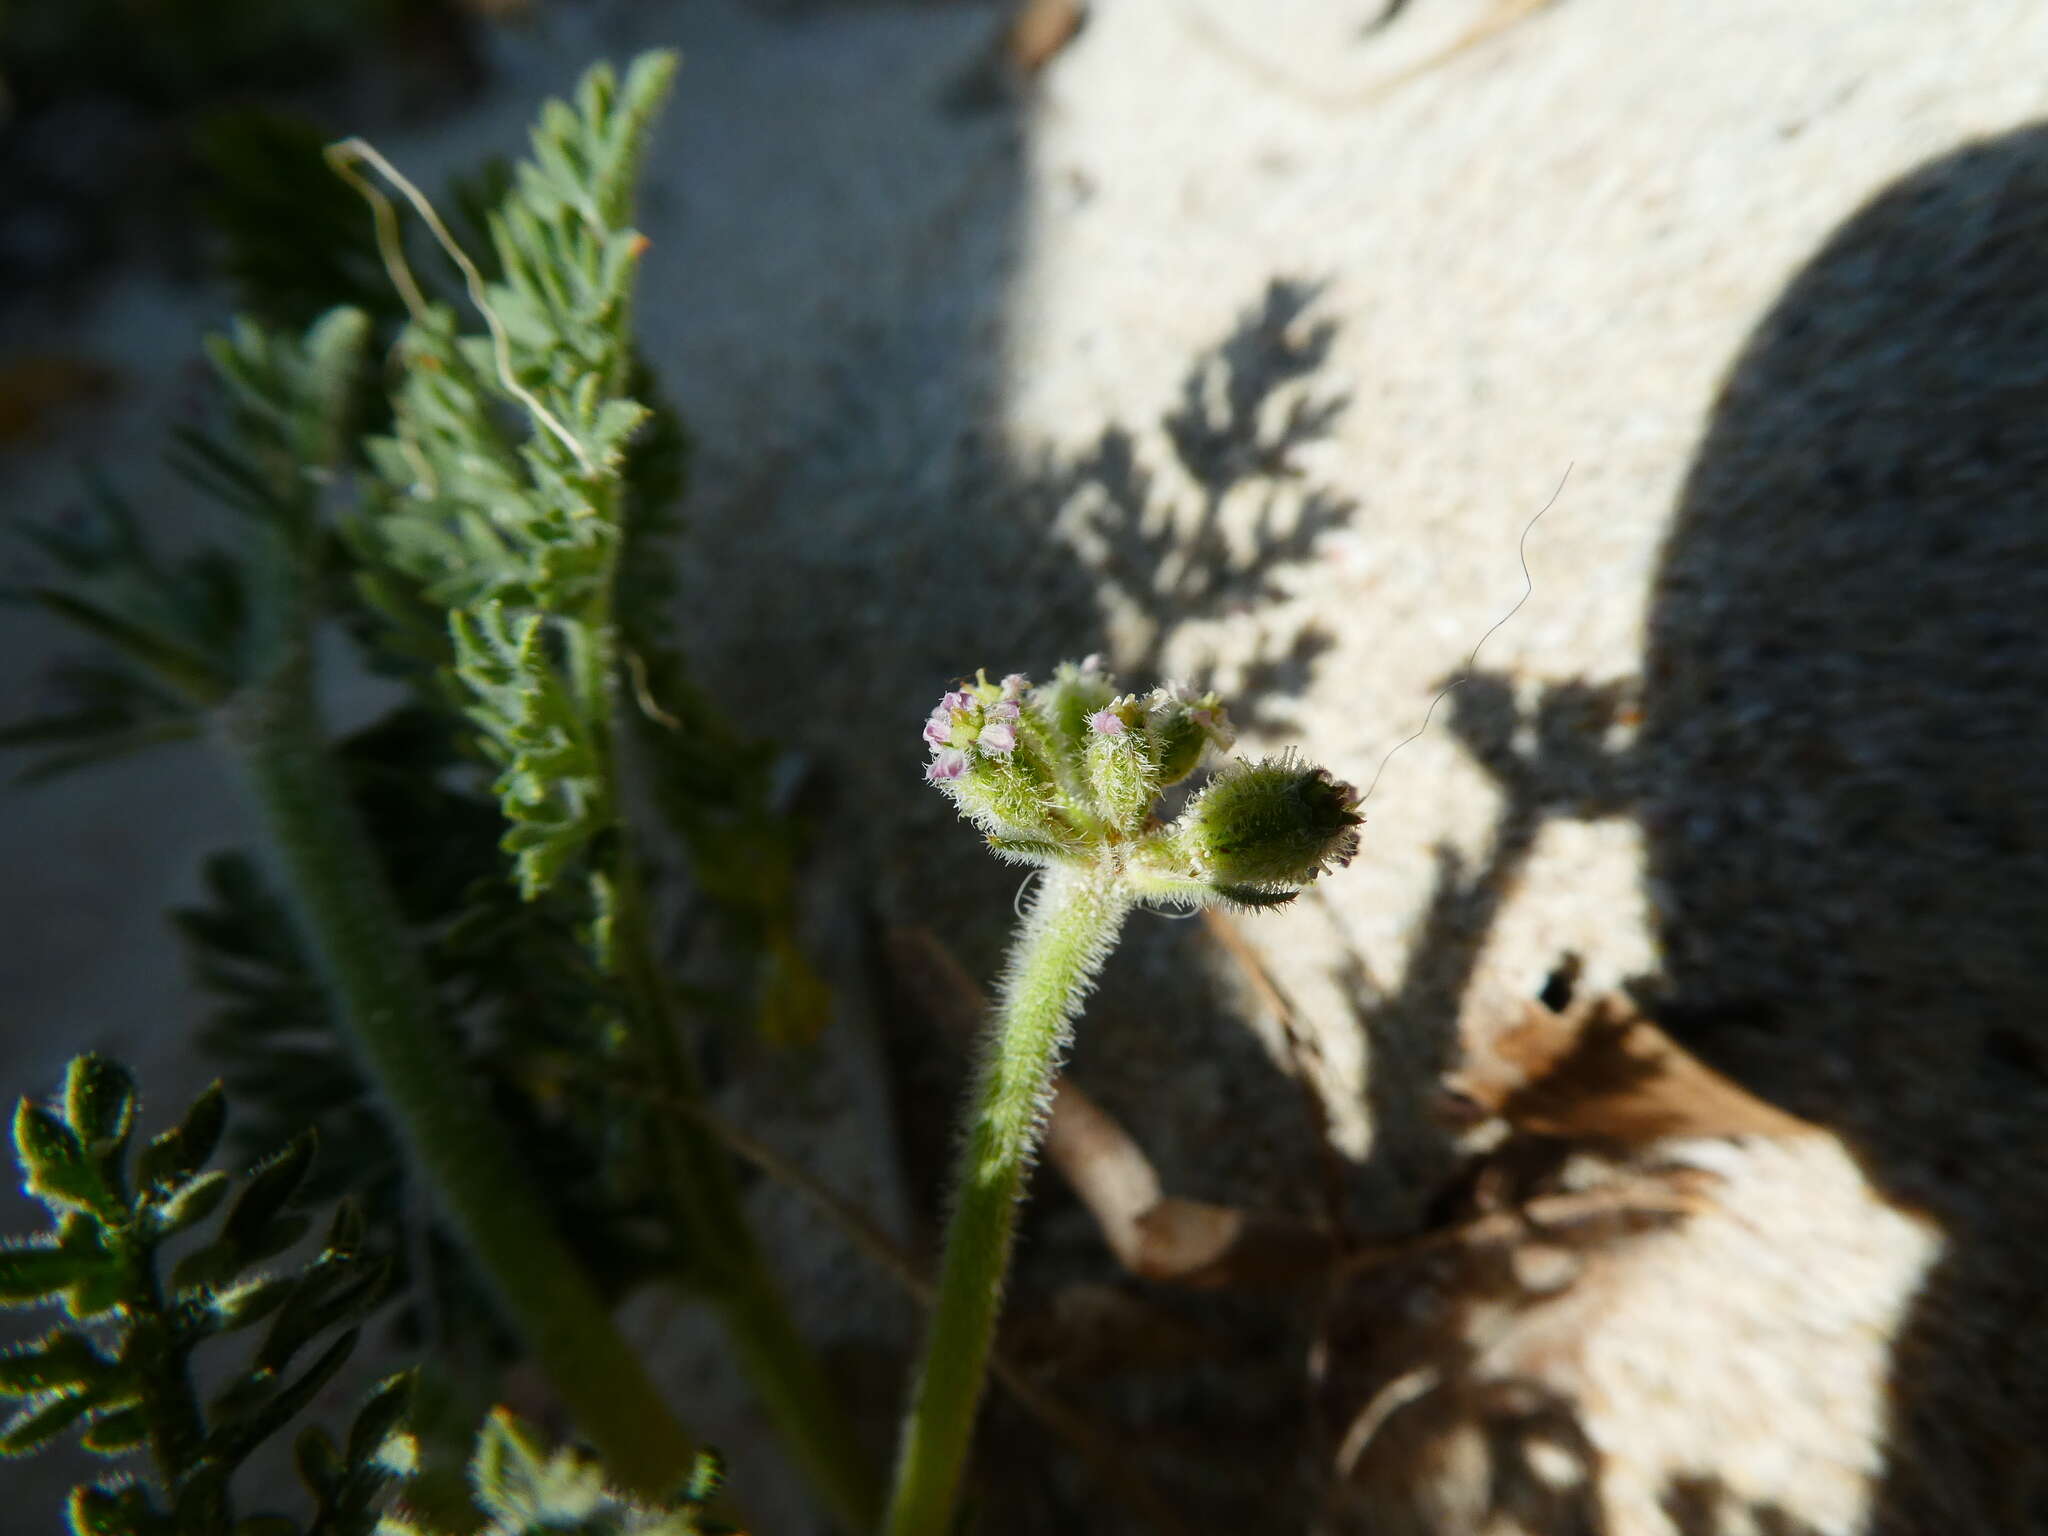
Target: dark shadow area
1845	796
1703	1506
108	110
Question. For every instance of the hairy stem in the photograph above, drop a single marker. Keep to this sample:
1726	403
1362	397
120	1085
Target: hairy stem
1064	940
385	1003
170	1406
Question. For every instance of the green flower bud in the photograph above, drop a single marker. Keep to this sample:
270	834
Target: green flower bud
1121	775
1182	723
1005	797
1075	693
1274	823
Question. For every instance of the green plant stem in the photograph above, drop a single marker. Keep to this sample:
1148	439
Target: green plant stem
725	1260
386	1006
170	1406
1065	938
698	1176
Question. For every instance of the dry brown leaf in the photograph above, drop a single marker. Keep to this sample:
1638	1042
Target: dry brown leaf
1039	29
1600	1072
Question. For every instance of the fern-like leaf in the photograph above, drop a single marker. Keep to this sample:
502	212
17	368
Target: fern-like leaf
516	534
129	1385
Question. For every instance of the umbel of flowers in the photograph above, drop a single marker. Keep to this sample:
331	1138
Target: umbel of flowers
1066	776
1069	772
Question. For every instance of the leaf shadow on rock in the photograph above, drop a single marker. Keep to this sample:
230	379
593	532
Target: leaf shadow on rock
1158	559
1553	758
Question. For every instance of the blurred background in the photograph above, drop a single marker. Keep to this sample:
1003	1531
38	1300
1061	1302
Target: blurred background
1241	344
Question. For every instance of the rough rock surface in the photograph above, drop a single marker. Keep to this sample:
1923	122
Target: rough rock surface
1243	343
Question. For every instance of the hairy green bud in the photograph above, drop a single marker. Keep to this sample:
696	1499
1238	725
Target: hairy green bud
1278	822
1122	777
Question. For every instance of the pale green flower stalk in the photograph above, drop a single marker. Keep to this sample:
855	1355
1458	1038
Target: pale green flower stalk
1064	777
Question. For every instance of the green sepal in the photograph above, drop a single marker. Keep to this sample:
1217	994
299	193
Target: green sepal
255	1408
379	1417
1006	797
58	1170
319	1464
63	1361
1178	739
99	1101
1254	896
1067	701
257	1225
34	1269
332	1293
97	1285
117	1432
1122	779
179	1153
1025	850
241	1306
190	1205
271	1186
101	1509
41	1422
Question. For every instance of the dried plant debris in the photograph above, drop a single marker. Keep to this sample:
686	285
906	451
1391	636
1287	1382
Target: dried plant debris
1652	1281
1600	1072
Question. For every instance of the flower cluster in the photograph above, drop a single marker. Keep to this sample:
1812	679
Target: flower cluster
979	720
1070	771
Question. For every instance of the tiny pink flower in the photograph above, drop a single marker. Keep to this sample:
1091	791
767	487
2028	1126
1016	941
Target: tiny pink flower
956	700
1014	685
1107	722
938	731
948	763
1004	709
998	737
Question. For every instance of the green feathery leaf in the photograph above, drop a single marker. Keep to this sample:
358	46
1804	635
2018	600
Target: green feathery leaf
515	534
132	1385
179	639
